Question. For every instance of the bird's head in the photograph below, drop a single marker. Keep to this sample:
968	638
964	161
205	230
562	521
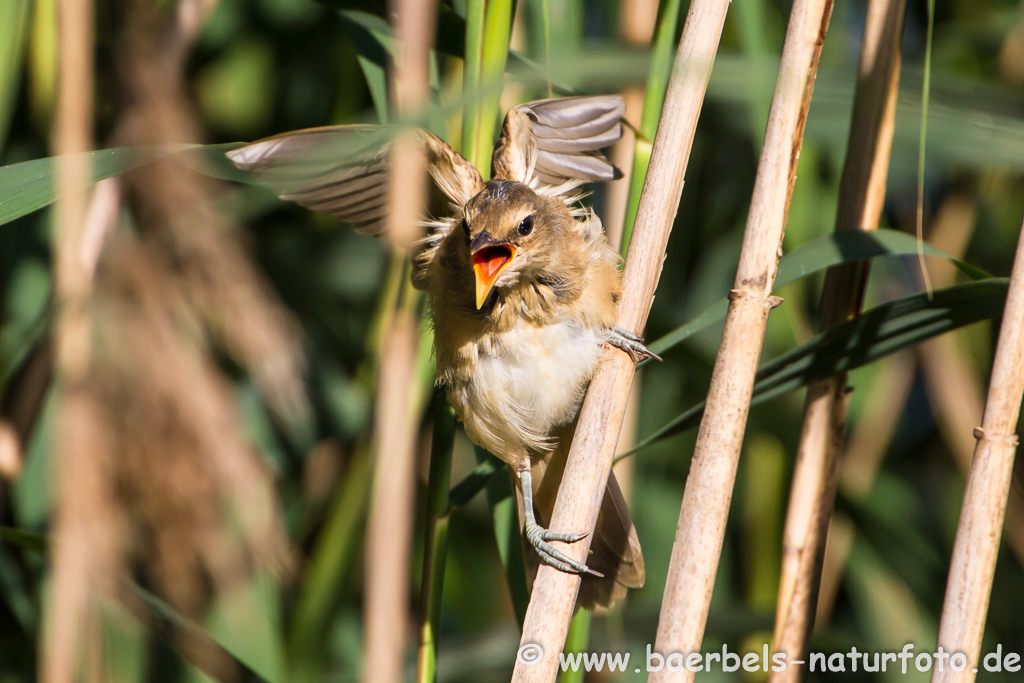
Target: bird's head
512	234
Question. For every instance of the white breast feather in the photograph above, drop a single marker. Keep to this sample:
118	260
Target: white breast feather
533	383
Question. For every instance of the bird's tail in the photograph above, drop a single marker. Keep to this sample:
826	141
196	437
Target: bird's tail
615	548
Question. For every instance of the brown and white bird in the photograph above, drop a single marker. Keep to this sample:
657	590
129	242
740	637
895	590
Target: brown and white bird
523	290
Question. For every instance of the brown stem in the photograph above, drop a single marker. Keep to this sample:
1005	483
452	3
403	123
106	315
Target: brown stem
988	486
67	604
389	528
705	507
954	390
861	197
586	472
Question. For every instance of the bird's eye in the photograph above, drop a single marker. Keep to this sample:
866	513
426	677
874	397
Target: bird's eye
526	226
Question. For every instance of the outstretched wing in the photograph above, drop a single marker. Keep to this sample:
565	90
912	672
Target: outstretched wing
550	142
343	170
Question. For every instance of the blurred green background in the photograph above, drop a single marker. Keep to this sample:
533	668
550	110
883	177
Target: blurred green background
261	67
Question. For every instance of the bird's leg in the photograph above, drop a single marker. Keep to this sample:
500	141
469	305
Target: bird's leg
538	536
631	344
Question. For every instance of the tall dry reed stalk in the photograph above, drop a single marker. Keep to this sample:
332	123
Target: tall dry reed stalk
390	524
861	199
988	486
954	390
590	459
67	623
389	528
709	487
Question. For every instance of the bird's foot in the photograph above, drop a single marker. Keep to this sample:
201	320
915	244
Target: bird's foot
538	536
631	344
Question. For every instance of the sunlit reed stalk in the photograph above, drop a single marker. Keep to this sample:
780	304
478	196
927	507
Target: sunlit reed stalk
334	549
861	199
389	528
952	385
66	623
72	137
590	459
709	487
978	534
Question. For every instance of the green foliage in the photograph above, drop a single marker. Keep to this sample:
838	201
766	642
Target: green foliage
662	54
269	66
874	334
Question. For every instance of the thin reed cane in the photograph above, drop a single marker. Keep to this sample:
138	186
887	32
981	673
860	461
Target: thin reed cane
67	626
861	198
389	528
988	486
709	487
590	459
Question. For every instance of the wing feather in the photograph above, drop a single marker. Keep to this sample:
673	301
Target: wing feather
343	170
568	166
556	141
567	145
557	127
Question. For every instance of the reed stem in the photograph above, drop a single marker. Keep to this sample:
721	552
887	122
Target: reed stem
978	534
593	449
68	626
709	487
861	198
389	528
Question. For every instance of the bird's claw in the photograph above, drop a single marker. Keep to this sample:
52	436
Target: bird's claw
538	537
630	343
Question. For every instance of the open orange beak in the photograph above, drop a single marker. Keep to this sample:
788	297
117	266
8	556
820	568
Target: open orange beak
488	263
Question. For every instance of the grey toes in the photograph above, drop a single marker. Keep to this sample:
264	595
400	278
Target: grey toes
632	344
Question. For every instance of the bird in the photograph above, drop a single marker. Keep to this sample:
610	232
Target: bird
523	288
